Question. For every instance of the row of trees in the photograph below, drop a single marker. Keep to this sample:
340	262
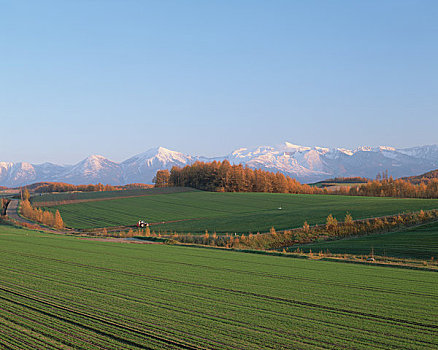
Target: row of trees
307	234
397	188
125	234
44	217
46	187
352	179
64	187
224	177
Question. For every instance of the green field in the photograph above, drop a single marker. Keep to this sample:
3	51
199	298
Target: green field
60	291
69	196
418	243
231	212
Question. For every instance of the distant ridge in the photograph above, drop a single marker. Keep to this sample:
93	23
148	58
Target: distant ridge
306	164
423	178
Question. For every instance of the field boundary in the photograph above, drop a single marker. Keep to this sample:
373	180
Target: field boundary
304	256
381	233
74	201
382	264
35	200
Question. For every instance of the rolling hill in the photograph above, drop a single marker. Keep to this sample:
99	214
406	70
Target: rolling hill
417	243
61	292
423	178
197	211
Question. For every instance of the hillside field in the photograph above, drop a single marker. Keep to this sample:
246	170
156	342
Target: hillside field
231	212
59	291
418	243
99	195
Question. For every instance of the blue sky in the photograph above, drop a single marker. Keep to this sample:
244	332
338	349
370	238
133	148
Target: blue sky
205	77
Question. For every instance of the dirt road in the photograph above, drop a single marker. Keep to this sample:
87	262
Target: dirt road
12	213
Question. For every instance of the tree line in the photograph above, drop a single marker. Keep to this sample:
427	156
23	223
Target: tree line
352	179
65	187
332	229
47	187
44	217
396	188
224	177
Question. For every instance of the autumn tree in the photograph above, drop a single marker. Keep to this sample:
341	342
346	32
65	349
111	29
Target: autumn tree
59	224
25	194
306	227
48	218
224	177
348	220
331	223
161	179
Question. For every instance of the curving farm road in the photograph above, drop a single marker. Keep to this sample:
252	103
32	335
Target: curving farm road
12	213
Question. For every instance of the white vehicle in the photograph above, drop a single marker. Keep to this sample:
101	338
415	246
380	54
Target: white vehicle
142	223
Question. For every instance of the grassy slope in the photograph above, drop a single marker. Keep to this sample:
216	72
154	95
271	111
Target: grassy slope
67	196
420	243
62	290
232	212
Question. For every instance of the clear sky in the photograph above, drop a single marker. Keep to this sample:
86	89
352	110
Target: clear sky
117	77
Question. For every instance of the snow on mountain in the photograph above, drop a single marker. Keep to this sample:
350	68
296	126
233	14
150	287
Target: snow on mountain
143	167
306	164
297	161
423	152
309	164
49	170
93	169
290	147
17	173
4	170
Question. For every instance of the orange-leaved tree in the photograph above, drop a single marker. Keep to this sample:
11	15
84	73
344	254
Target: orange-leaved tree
59	223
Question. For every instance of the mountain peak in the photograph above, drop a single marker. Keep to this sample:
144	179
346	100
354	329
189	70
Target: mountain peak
290	147
164	150
386	148
158	153
306	164
156	150
93	162
95	157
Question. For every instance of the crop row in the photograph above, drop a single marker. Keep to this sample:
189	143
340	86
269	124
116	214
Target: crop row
109	328
112	276
312	329
390	287
231	212
72	196
53	329
418	242
87	293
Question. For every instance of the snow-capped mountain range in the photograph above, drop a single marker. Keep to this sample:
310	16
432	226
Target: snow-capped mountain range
306	164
